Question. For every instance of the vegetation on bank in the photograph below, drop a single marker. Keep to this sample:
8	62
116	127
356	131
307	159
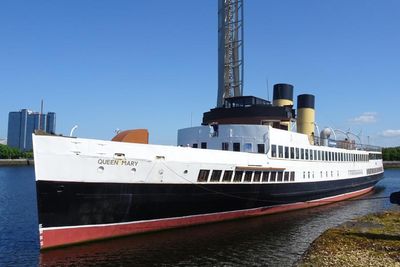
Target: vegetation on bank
7	152
391	153
372	240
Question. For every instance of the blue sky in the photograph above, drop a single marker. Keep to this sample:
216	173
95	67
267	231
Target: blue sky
152	64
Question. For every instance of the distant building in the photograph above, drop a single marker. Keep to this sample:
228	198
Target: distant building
21	125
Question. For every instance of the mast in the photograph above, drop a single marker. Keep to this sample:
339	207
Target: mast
230	49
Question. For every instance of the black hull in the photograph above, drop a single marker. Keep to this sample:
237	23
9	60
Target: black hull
77	204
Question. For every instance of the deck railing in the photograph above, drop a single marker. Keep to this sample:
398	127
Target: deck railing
345	144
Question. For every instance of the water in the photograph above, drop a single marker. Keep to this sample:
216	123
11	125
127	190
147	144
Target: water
276	240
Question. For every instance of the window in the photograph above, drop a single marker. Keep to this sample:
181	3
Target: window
302	153
273	151
326	156
261	148
247	176
273	177
286	177
203	176
265	176
195	145
225	146
315	155
308	175
215	175
280	176
297	153
323	156
227	176
248	147
238	176
321	174
311	154
280	151
286	152
203	145
257	176
306	154
292	152
236	146
292	176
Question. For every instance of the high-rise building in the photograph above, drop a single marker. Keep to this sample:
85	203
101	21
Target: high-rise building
21	125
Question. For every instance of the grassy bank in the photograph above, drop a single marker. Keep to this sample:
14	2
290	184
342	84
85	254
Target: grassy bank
372	240
16	162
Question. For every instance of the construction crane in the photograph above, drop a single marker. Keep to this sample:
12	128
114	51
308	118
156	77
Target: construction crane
230	49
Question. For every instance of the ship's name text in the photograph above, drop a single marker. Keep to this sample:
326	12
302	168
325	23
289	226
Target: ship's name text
118	162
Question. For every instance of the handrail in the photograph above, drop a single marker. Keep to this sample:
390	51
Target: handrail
345	144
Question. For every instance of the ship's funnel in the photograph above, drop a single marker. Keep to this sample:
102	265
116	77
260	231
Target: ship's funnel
283	96
306	115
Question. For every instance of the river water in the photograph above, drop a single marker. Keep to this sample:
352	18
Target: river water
274	240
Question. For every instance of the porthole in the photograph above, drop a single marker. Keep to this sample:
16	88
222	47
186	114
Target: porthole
133	170
100	169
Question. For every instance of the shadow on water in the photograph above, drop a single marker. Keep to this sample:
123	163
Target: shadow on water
278	239
273	240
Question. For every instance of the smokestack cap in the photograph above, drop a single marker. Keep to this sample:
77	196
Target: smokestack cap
306	101
283	91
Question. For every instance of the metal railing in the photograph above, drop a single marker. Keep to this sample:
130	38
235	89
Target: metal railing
345	144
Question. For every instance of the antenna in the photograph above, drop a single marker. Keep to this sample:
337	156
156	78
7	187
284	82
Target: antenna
230	49
267	87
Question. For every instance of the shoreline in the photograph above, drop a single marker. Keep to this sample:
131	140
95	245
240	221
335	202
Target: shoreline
391	164
16	162
370	240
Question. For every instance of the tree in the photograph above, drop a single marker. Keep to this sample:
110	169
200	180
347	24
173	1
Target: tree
7	152
391	154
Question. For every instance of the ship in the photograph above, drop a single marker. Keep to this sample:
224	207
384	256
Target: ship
248	157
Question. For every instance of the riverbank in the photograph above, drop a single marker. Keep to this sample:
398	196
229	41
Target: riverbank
16	162
391	164
372	240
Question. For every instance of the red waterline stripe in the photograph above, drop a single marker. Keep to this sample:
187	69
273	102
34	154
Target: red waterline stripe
61	236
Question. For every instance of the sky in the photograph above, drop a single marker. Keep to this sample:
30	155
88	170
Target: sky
105	65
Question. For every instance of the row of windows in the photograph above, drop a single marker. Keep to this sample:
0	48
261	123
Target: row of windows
248	147
374	170
313	154
375	156
323	174
245	176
